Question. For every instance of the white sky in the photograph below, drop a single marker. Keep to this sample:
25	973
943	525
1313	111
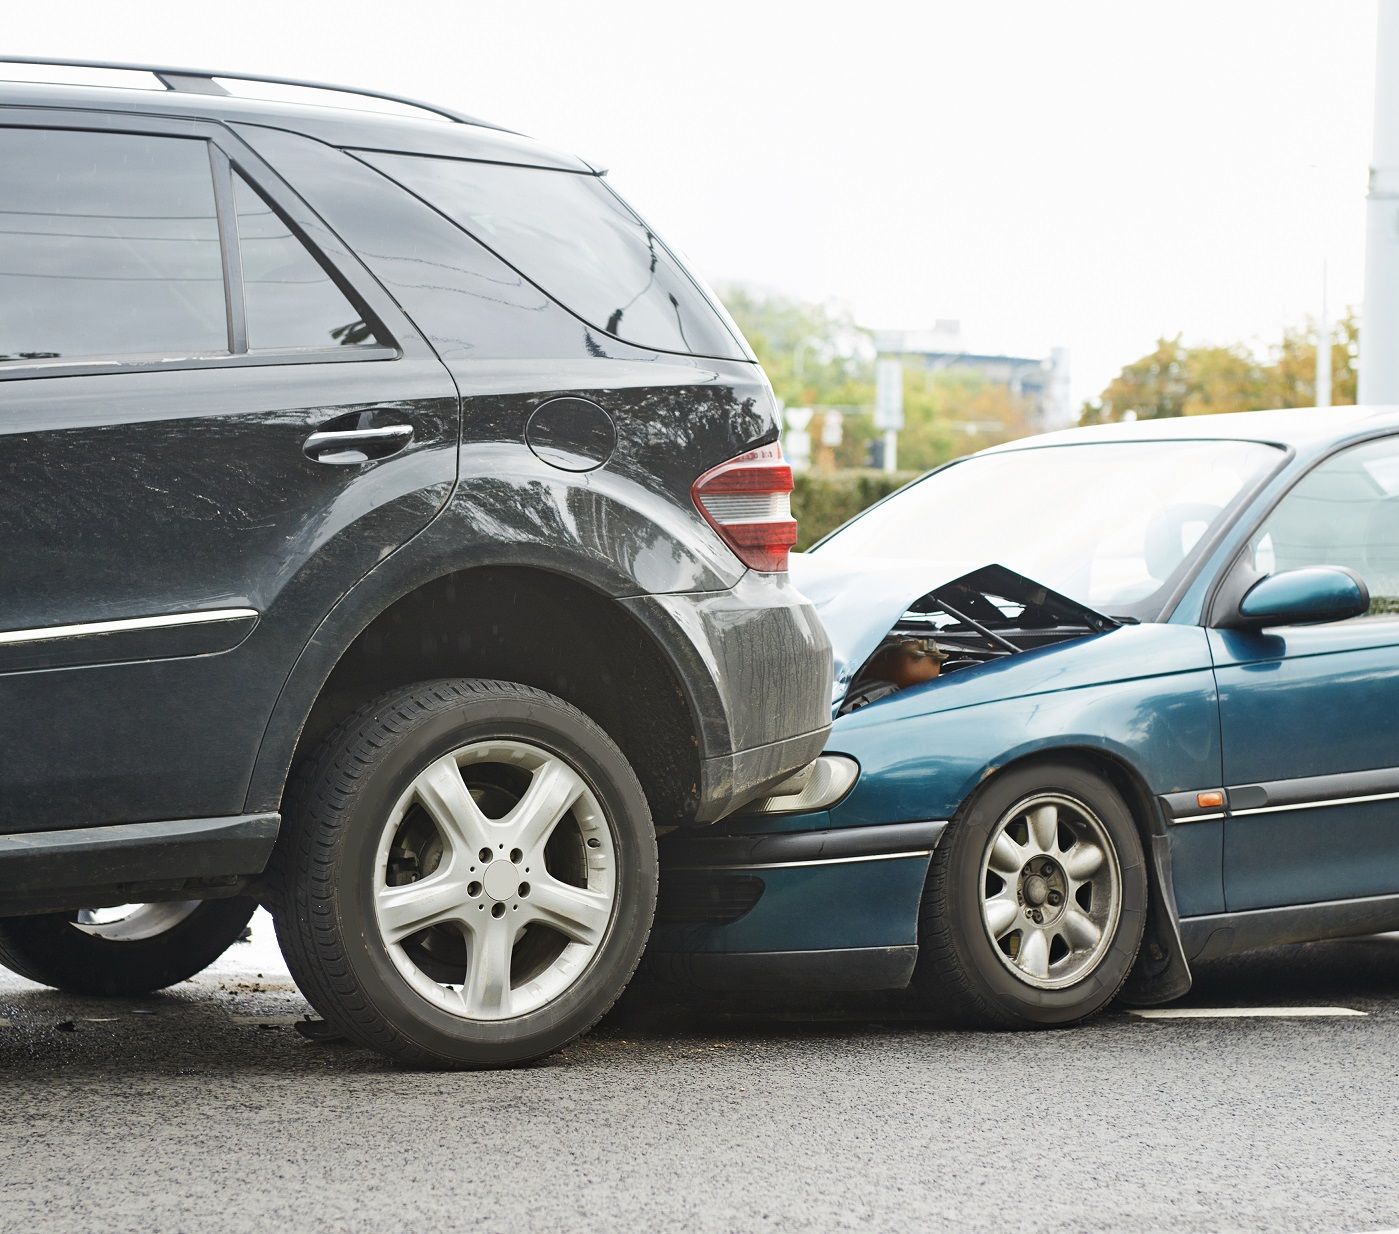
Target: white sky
1085	172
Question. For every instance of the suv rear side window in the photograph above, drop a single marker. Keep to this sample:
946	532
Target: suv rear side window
109	246
568	233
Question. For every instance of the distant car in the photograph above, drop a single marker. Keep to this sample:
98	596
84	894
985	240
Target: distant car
394	531
1110	702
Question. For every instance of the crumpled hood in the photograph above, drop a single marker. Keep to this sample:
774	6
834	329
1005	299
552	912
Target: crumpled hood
860	599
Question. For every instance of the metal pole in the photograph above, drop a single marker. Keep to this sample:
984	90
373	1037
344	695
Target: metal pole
1323	349
1379	334
891	445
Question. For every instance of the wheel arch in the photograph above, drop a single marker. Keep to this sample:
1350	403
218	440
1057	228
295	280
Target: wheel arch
500	619
1161	972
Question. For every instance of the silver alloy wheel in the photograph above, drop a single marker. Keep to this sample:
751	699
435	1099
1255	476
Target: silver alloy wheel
133	923
1051	890
495	880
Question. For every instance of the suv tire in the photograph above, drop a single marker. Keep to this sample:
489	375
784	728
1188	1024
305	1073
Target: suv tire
1035	902
133	956
466	875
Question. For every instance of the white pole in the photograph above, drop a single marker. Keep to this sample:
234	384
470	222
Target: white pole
1379	330
1323	349
891	445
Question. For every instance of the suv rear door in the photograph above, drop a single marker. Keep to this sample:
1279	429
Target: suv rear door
213	422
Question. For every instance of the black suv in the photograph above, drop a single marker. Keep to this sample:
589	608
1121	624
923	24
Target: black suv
394	533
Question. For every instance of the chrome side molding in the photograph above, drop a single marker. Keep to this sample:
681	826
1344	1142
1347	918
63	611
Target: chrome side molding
126	640
88	629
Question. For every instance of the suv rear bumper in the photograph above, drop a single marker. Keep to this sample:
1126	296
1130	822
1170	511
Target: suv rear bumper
731	780
756	666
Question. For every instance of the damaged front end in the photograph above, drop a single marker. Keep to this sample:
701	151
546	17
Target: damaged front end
957	619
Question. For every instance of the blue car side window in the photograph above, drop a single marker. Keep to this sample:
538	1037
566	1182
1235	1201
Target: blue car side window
1345	512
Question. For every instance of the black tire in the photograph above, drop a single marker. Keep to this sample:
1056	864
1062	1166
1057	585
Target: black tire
960	971
53	951
325	875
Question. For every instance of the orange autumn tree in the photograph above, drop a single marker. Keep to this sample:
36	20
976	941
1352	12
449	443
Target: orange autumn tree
1179	380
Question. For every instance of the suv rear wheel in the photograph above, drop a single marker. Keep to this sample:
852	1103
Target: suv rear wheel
130	950
466	875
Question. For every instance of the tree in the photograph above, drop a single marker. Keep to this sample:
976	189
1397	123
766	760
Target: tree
815	357
948	413
1146	389
812	355
1176	380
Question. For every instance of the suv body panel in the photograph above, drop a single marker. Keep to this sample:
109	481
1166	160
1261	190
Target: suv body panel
202	721
179	485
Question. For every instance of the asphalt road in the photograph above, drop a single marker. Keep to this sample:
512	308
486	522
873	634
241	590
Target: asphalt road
188	1112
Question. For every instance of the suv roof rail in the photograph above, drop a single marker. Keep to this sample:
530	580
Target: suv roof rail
202	81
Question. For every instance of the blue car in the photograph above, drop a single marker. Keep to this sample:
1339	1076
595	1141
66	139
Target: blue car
1108	702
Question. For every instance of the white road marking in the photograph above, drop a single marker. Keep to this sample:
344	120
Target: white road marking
1262	1013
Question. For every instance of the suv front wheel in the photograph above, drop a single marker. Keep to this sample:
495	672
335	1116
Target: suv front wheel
466	875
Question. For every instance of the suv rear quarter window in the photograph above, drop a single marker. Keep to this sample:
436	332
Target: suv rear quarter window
291	301
570	235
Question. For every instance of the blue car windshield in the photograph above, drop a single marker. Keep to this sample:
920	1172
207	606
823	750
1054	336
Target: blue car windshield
1110	524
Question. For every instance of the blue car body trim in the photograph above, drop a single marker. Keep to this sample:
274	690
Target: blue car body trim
773	850
838	968
1313	805
813	908
1185	807
819	861
1306	791
1226	933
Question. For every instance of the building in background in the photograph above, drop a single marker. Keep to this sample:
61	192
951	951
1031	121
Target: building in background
1042	380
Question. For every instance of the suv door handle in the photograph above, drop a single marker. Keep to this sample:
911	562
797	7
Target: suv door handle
356	445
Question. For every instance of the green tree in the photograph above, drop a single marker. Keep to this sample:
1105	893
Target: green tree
818	358
811	355
948	413
1176	380
1149	388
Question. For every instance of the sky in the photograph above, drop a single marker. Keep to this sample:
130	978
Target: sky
1085	173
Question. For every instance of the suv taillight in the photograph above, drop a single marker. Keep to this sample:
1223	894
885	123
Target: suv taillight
748	502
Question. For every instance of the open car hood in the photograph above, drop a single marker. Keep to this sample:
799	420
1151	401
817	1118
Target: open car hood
860	600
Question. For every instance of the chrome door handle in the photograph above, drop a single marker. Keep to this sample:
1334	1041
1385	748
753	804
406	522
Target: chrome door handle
356	445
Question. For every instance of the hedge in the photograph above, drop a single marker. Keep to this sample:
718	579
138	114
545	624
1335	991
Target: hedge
822	501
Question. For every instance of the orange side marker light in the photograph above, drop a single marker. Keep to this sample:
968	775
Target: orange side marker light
1208	801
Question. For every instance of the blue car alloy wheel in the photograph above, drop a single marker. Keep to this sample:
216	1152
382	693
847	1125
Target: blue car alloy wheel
1035	901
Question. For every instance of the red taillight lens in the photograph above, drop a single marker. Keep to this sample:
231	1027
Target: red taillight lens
748	502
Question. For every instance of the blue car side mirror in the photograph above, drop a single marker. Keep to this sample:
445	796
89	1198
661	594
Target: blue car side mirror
1302	597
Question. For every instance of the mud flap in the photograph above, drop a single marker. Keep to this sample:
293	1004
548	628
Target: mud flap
1161	972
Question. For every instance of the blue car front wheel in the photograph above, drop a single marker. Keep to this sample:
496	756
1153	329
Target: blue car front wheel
1035	901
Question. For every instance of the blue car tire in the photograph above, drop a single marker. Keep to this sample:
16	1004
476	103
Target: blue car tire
1035	901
